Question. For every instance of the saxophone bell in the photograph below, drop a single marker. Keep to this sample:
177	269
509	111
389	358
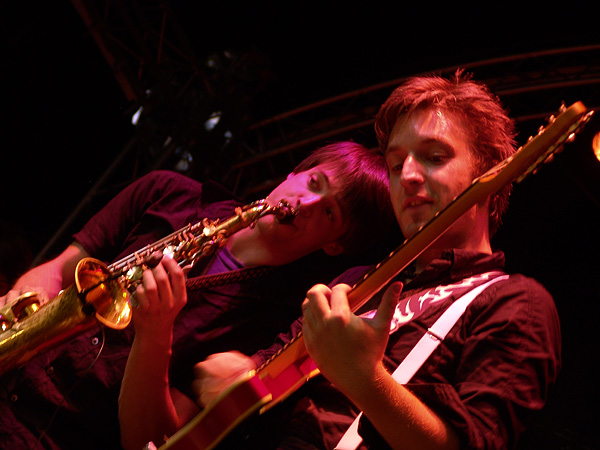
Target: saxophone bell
94	298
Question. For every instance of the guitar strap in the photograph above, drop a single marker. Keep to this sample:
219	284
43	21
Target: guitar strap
423	349
232	276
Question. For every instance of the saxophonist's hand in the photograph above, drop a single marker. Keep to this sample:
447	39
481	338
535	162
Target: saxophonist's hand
14	294
160	297
218	372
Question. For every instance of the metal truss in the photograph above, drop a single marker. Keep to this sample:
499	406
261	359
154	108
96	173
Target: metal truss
159	71
144	46
177	92
531	85
173	90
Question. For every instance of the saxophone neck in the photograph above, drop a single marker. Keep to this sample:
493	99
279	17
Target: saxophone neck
196	241
283	211
248	215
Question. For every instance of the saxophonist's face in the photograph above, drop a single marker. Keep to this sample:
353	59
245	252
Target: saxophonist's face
319	221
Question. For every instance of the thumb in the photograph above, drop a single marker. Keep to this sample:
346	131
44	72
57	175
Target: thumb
387	307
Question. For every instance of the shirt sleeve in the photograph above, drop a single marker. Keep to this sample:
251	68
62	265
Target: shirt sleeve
506	357
148	209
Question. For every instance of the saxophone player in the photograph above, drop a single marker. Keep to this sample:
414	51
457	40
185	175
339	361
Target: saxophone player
67	397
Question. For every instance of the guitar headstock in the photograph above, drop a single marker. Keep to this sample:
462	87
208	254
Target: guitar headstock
564	126
539	149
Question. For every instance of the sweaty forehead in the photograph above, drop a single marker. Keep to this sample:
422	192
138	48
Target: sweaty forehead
426	125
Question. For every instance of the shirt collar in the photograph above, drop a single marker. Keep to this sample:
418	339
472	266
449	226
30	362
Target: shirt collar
456	264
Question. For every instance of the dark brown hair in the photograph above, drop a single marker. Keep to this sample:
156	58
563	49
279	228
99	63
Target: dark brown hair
364	191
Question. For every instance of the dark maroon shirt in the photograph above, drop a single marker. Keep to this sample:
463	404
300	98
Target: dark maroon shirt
67	398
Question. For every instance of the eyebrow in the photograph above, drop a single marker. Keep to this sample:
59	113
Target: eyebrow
427	141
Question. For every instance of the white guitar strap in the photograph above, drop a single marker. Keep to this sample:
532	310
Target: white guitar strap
420	352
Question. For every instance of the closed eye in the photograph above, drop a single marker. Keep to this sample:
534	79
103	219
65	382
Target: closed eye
317	182
438	158
394	161
396	168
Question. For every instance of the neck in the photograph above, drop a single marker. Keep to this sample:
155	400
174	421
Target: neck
475	239
242	246
251	248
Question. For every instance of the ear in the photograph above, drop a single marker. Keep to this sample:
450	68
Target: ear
333	249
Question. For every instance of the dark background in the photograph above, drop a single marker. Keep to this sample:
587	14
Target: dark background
67	123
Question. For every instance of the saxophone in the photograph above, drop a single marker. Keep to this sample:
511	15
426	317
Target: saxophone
102	293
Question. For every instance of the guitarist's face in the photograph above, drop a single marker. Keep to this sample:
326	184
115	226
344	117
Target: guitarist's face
430	163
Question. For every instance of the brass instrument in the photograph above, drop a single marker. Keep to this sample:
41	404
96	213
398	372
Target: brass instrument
101	293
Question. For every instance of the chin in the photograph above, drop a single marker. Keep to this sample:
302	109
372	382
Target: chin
412	227
410	231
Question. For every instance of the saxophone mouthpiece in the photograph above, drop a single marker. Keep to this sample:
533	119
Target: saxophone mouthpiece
284	212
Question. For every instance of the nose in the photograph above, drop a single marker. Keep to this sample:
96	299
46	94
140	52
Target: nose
411	172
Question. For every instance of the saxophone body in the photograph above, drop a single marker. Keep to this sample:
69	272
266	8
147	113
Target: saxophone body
102	294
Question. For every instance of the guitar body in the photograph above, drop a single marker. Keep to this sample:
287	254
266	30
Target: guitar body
292	366
254	392
246	396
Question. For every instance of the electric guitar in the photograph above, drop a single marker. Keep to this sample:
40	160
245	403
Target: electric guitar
287	371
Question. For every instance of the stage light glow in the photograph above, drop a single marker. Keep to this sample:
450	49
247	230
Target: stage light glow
136	116
212	121
596	145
